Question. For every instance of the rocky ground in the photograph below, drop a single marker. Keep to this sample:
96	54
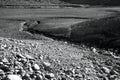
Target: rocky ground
54	60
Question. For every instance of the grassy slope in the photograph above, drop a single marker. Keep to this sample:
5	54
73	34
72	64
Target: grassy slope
101	32
85	30
41	14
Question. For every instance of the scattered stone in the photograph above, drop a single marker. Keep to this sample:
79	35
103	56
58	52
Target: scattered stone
24	60
29	57
2	73
106	70
63	78
5	60
21	72
26	77
78	67
68	72
47	64
49	75
41	57
36	67
20	55
113	77
31	70
5	68
39	77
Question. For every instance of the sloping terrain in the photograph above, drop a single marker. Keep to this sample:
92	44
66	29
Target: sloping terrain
50	59
49	2
28	2
26	56
103	32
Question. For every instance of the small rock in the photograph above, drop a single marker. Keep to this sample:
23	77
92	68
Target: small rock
26	77
29	57
76	71
68	72
31	70
78	67
48	68
20	56
39	77
63	78
94	50
13	77
5	68
49	75
46	64
41	57
66	42
36	67
106	70
32	75
21	72
78	75
113	76
23	60
38	72
2	73
5	60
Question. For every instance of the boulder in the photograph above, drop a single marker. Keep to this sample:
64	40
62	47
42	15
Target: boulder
13	77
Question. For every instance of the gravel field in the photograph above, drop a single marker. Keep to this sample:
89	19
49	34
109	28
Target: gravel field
54	60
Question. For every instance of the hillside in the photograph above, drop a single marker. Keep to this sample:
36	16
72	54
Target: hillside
28	2
49	2
33	56
94	2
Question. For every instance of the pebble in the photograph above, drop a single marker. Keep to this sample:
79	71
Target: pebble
36	67
39	77
20	56
106	70
49	75
2	72
94	50
26	77
68	72
5	68
5	60
29	57
47	64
